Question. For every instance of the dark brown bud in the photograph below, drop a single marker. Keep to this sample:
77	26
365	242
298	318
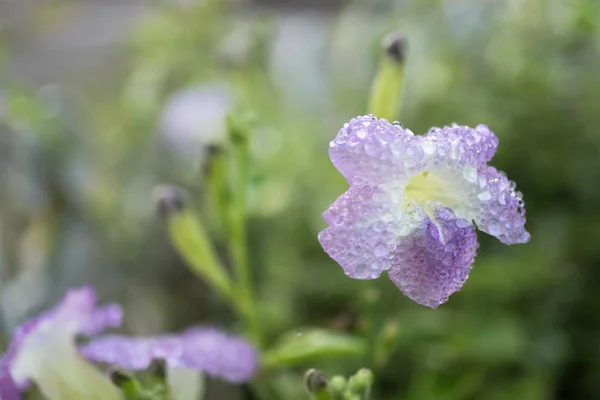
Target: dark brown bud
316	381
395	45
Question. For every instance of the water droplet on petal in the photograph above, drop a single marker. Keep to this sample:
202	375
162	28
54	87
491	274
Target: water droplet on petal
361	272
485	196
380	250
371	148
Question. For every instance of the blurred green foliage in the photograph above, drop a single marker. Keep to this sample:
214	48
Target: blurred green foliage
79	165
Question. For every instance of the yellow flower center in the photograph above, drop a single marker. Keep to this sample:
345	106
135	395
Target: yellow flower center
427	186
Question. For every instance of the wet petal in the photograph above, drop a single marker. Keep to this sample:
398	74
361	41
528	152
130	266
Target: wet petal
130	352
463	182
219	355
434	262
364	226
474	145
500	210
371	151
203	349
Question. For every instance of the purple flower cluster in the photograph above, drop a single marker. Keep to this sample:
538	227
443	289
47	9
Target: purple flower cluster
31	355
203	349
412	202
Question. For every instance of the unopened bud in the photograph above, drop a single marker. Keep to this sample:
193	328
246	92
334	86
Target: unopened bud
316	382
337	387
129	386
361	382
158	368
169	199
120	378
395	46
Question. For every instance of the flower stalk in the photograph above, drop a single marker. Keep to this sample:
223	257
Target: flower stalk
239	137
191	241
386	89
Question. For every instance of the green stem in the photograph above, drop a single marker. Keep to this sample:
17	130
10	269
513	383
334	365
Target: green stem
217	188
238	231
372	319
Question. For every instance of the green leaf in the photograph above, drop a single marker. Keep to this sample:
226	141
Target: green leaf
301	347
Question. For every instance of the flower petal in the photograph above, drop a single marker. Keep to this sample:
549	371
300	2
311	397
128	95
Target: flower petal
434	262
134	353
77	313
8	387
194	118
457	155
49	357
368	150
364	226
202	349
500	211
477	145
185	384
219	355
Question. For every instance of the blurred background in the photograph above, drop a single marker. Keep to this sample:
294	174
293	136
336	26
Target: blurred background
103	99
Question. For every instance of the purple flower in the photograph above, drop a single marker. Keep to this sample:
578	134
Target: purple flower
412	202
195	118
8	387
43	349
203	349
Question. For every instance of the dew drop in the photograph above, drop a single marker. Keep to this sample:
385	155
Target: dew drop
371	148
380	250
361	272
484	196
428	147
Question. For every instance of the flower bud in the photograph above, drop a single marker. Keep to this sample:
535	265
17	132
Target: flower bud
316	382
337	387
360	383
169	199
395	45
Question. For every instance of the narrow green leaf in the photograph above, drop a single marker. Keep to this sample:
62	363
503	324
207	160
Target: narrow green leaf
301	347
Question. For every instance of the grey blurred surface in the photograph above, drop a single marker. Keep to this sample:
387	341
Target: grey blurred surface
54	41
